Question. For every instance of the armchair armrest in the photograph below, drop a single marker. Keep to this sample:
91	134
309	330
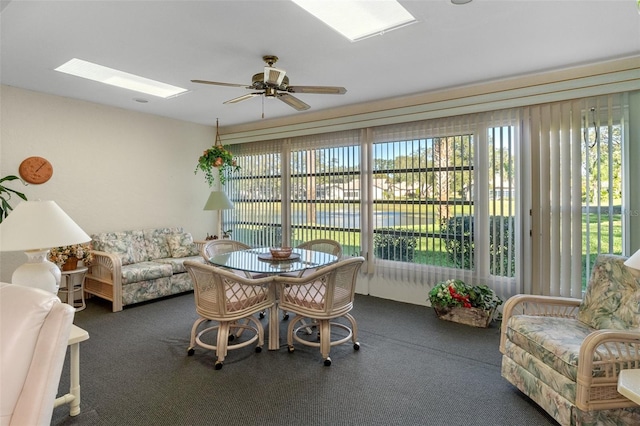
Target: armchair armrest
527	304
608	352
104	278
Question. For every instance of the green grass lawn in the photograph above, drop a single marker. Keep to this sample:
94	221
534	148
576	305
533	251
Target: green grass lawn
431	250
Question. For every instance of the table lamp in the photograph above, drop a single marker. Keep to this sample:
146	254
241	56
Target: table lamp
34	227
633	261
218	200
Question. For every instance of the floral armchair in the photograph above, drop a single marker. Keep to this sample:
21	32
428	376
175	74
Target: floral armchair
565	354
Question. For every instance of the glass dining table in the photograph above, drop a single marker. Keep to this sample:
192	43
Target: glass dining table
258	261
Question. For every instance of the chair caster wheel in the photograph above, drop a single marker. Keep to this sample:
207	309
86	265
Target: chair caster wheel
218	365
327	362
258	349
285	317
190	351
261	315
290	349
356	346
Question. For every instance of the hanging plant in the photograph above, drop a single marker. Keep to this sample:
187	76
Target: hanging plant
217	157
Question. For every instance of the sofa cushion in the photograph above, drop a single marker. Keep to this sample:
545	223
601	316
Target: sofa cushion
143	271
128	245
540	372
142	291
34	326
156	242
554	341
182	245
612	299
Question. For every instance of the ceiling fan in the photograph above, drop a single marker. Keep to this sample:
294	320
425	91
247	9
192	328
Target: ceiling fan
273	83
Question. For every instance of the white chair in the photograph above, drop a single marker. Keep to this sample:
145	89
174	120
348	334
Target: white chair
226	297
322	296
34	332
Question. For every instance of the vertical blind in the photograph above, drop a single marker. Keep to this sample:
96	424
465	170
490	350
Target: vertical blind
326	187
577	201
256	191
453	198
520	199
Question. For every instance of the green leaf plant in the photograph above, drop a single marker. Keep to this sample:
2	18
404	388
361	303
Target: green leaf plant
6	194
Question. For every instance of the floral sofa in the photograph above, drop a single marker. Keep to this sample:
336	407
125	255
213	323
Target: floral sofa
565	354
139	265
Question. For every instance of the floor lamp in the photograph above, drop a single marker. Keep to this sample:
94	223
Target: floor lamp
34	227
218	200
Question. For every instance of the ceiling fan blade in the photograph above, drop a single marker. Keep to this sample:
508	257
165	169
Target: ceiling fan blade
323	90
216	83
293	101
242	98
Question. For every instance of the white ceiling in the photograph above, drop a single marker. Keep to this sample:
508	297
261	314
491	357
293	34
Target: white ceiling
176	41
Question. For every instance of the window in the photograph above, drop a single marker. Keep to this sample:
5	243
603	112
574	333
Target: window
325	196
323	183
577	160
423	201
257	196
465	197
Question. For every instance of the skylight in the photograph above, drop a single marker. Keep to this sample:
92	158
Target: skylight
106	75
357	19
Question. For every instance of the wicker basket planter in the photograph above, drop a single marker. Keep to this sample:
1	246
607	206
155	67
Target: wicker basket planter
453	300
469	316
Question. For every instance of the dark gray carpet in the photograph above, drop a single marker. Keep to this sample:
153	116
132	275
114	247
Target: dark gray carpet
412	369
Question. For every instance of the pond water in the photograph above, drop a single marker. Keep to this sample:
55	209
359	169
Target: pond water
352	220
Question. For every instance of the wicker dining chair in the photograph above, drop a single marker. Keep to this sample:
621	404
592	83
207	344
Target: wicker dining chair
215	247
324	245
227	298
322	296
321	244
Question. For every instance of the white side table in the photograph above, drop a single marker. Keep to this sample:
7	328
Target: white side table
72	287
629	384
73	397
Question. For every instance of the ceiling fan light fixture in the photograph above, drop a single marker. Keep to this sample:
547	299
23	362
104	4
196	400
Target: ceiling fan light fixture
270	92
358	20
273	76
272	83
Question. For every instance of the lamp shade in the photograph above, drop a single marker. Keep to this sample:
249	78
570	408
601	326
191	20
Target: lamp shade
218	200
36	225
633	261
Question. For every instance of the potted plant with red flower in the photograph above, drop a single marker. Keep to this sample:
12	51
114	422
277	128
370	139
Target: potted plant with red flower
453	300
